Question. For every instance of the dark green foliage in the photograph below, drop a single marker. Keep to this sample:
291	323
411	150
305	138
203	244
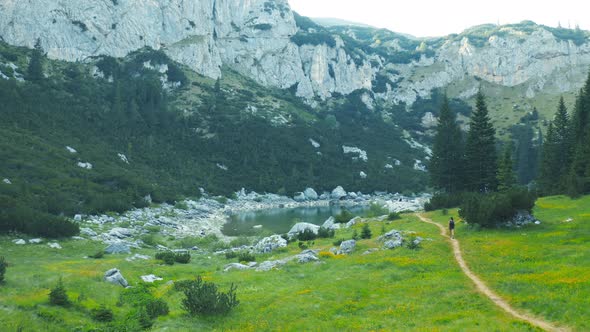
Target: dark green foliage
246	256
304	23
167	257
444	201
338	242
35	69
527	153
325	233
412	244
506	177
366	232
377	210
578	181
393	216
316	38
355	235
3	265
99	254
306	235
557	153
102	314
156	307
343	217
576	35
446	167
481	166
488	210
147	306
230	254
262	26
58	295
182	257
203	298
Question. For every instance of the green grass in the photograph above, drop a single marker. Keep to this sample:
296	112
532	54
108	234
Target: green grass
543	269
399	289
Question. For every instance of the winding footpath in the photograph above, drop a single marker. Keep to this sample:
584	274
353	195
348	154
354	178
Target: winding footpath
484	289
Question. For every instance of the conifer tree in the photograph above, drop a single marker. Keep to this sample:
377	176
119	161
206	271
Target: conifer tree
548	168
480	150
446	164
506	177
35	69
578	181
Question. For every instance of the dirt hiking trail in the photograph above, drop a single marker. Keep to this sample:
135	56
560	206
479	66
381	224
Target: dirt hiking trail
484	289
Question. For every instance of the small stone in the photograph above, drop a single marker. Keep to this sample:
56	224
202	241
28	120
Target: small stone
117	248
19	241
150	278
54	245
6	181
115	277
35	241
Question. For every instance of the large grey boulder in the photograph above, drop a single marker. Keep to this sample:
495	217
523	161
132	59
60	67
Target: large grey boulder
269	244
115	277
302	226
338	193
330	223
392	239
299	197
121	233
353	222
87	231
306	258
117	248
310	194
392	244
19	241
347	247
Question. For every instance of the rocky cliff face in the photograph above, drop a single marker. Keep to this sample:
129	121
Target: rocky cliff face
250	36
254	37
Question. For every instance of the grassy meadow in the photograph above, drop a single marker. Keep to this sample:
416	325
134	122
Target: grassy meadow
543	269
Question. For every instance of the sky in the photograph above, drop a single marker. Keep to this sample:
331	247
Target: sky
433	18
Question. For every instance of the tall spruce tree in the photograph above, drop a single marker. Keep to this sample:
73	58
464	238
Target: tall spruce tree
481	166
506	177
548	168
35	69
578	180
446	164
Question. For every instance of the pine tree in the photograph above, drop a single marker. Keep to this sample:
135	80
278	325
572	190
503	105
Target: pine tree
480	150
578	181
548	167
446	164
35	69
506	178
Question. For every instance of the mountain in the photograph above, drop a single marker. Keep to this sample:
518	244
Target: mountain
224	94
332	21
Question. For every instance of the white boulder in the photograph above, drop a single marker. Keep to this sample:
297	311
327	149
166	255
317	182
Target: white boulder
115	277
302	226
6	181
269	244
54	245
347	247
338	193
150	278
310	194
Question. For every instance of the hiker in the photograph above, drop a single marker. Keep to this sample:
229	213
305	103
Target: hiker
452	227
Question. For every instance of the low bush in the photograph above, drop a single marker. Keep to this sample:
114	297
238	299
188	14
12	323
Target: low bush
355	235
3	266
58	295
376	210
306	235
167	257
412	244
102	314
393	216
338	242
325	233
246	256
203	298
156	307
445	201
182	257
488	210
97	255
366	232
343	217
230	254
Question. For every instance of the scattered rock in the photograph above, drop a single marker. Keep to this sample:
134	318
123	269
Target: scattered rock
353	222
236	266
299	197
269	265
115	277
35	241
310	194
338	193
392	244
347	247
121	233
150	278
71	150
117	248
269	244
78	217
370	251
314	143
19	241
85	165
392	239
123	158
522	218
54	245
306	258
330	223
363	175
6	181
302	226
137	257
87	231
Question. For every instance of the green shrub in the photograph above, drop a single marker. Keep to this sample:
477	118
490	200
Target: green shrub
338	242
444	201
156	307
393	216
355	235
376	210
230	254
203	298
182	257
3	266
97	255
325	233
149	239
246	256
181	205
343	217
366	232
167	256
306	235
491	209
102	314
58	295
412	244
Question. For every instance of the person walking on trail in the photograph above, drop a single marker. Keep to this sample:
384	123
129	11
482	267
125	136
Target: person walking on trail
452	227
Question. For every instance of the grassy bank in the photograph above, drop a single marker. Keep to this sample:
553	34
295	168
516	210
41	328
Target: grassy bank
399	289
544	269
